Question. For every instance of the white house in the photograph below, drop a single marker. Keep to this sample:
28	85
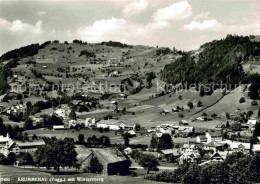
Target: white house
111	124
251	121
128	151
90	122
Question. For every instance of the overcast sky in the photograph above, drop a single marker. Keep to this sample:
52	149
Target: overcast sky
184	24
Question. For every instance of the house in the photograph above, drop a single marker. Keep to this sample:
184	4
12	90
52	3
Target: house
112	159
131	132
128	151
10	147
4	140
190	148
190	157
256	148
216	156
185	131
184	122
29	147
215	146
90	122
58	127
251	122
171	152
238	146
204	138
111	124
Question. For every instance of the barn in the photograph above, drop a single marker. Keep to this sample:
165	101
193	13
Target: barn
112	159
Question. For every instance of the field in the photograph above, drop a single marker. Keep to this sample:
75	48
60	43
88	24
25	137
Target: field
8	172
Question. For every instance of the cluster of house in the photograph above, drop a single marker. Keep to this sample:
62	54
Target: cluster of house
14	108
181	131
7	146
211	142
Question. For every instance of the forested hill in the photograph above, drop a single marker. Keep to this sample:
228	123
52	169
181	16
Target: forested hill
219	60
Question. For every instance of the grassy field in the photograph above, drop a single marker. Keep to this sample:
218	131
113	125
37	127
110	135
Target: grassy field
8	172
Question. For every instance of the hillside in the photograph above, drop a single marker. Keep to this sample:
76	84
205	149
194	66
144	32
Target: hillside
219	60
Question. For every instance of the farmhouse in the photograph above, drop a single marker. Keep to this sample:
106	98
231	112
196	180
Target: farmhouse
112	159
4	140
29	147
111	124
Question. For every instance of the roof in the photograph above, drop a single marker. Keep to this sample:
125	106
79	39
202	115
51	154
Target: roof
28	144
110	122
58	126
171	151
4	139
109	155
252	121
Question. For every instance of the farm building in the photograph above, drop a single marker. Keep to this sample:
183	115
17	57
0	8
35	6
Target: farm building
58	127
112	159
111	124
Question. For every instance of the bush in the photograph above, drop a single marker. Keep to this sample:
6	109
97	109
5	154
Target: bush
253	103
242	100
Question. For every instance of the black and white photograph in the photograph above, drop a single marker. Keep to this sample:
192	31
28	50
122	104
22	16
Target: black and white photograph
130	91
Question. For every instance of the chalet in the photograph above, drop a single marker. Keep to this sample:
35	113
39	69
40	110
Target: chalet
111	124
238	146
216	156
171	152
215	146
186	131
112	159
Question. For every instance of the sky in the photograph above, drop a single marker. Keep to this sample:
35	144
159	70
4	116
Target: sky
183	24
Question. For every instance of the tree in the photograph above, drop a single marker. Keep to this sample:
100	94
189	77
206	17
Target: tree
249	114
27	159
254	89
149	162
242	100
56	153
236	126
165	142
104	141
94	166
34	137
258	113
154	142
190	105
137	126
126	137
199	104
81	138
202	91
28	125
73	115
256	132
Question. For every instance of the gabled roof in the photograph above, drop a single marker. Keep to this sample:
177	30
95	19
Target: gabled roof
108	155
